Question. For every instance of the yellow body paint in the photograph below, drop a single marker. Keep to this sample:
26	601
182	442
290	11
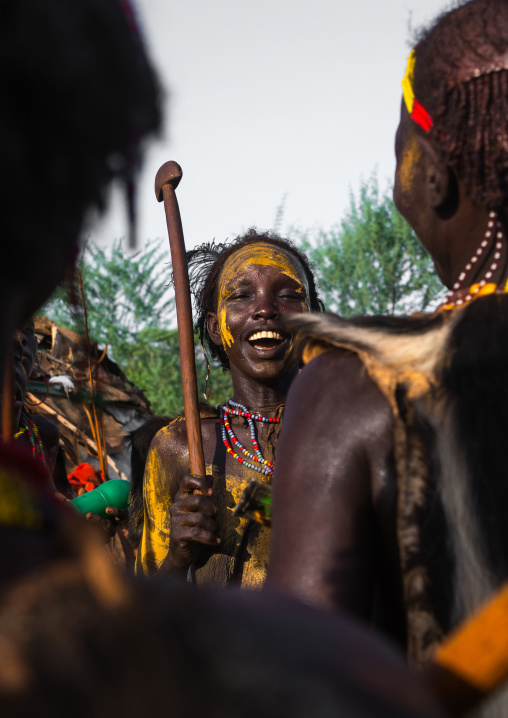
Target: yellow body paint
243	548
262	255
226	336
407	169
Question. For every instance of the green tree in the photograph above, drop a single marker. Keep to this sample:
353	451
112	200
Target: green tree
130	307
125	294
372	263
154	366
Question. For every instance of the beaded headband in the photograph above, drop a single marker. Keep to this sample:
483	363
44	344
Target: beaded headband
486	70
417	112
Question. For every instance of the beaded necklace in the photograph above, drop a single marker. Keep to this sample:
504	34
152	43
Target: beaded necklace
483	286
232	408
34	438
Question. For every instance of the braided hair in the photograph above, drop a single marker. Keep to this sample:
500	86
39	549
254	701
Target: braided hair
205	265
461	81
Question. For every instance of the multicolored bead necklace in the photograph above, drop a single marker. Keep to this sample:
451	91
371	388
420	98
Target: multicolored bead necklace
34	438
234	409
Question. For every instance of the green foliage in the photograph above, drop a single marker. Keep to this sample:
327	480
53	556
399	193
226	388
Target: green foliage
131	309
125	294
154	366
372	263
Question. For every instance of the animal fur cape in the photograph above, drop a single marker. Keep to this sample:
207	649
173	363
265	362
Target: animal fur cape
446	379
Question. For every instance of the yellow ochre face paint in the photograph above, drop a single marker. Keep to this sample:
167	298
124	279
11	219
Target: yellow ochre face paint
260	255
408	165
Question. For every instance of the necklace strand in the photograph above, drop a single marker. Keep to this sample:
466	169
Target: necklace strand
493	226
233	408
34	438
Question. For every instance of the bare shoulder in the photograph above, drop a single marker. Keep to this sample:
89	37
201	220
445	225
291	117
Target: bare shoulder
169	450
171	440
167	461
341	397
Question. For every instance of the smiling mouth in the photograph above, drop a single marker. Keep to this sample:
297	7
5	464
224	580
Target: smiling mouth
266	340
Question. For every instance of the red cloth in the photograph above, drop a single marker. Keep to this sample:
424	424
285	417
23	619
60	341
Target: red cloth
85	476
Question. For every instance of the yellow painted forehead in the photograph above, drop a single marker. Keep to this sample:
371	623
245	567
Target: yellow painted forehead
263	255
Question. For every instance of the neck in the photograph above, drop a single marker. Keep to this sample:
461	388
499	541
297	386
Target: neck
462	236
263	397
484	255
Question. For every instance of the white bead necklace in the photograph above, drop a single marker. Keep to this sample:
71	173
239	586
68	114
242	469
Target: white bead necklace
493	226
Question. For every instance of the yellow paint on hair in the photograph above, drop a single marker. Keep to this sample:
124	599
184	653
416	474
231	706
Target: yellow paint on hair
262	254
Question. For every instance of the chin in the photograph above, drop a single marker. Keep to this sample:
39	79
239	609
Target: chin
273	372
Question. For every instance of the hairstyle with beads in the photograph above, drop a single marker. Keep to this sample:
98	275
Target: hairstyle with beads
461	78
205	265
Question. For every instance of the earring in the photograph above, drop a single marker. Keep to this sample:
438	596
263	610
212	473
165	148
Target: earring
208	383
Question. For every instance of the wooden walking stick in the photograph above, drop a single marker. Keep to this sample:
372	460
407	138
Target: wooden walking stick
166	181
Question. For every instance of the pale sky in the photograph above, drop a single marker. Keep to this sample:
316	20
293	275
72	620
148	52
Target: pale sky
267	98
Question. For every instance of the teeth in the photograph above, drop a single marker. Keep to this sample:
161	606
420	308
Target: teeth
265	335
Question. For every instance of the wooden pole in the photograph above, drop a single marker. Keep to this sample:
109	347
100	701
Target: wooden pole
166	181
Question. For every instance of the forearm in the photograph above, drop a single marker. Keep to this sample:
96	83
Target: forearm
172	566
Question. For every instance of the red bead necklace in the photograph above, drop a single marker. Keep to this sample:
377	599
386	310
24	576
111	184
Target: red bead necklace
34	438
263	466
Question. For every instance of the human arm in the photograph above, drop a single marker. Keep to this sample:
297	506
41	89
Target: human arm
332	458
178	520
110	524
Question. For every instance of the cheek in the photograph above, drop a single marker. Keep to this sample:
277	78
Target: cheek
408	186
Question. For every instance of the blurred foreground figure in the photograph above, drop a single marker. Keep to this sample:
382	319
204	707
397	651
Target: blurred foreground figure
78	99
76	638
71	640
400	515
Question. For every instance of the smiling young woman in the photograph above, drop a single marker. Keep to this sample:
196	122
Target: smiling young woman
243	290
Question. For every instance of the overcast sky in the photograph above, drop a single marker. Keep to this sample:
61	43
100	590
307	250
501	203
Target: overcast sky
271	98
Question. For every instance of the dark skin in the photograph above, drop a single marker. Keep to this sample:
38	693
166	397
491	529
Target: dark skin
255	299
334	497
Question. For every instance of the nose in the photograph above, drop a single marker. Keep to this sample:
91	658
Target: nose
265	307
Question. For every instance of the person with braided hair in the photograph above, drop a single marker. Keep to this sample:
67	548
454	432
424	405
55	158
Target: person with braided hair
243	290
399	517
78	637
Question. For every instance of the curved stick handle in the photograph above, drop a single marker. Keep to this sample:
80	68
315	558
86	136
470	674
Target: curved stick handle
166	181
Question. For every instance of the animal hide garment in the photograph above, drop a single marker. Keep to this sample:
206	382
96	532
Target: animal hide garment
446	379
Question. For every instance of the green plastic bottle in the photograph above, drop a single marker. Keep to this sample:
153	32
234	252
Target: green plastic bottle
111	493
